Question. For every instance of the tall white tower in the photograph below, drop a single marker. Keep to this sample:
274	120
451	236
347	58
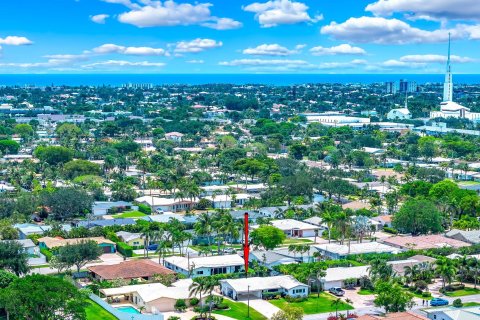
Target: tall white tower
448	85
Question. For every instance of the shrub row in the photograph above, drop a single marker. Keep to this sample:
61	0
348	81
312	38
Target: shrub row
124	249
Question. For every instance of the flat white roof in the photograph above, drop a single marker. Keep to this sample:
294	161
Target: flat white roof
357	248
259	283
206	262
340	274
289	224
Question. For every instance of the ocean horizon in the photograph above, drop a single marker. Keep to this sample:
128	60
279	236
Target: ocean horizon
236	79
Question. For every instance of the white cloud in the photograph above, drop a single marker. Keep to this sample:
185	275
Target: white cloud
195	61
342	65
343	49
386	31
99	18
277	12
263	62
15	41
136	51
401	64
123	63
434	58
428	9
197	45
269	50
154	13
223	24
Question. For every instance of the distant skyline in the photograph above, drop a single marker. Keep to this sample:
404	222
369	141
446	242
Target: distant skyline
238	36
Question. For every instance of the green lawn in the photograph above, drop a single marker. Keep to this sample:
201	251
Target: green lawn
95	312
365	292
471	304
289	241
239	310
129	214
464	292
314	305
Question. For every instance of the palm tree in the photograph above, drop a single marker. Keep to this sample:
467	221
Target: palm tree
197	288
446	270
203	226
347	300
474	266
336	304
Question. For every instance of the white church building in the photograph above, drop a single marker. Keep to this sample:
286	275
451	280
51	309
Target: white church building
449	108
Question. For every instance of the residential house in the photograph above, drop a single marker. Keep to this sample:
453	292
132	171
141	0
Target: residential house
174	136
132	269
470	236
105	223
257	287
167	204
101	208
424	242
52	243
154	297
394	316
294	228
452	313
28	246
205	266
269	259
341	251
336	277
134	240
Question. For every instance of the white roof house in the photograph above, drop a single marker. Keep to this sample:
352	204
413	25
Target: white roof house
257	286
335	277
167	204
294	228
400	114
452	313
339	251
154	297
205	266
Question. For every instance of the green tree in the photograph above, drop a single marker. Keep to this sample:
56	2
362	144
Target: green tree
446	269
418	216
6	278
68	134
392	297
77	168
13	257
65	203
297	151
289	313
24	130
53	155
79	254
9	146
269	237
40	297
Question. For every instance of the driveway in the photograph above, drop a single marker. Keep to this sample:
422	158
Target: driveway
358	300
264	307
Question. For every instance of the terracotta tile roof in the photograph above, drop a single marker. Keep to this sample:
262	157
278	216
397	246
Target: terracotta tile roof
130	269
424	242
394	316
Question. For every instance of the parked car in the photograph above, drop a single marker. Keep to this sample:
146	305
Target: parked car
435	302
337	291
229	250
152	247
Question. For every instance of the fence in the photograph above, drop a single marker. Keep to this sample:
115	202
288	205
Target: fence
123	315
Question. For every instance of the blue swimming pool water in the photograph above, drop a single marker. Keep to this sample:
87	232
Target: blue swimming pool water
128	310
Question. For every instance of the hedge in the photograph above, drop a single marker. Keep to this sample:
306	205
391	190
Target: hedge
390	230
124	249
143	208
47	253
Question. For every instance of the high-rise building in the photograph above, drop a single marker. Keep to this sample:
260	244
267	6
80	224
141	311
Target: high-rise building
406	86
391	87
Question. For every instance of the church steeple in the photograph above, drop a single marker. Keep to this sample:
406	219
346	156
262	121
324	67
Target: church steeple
448	85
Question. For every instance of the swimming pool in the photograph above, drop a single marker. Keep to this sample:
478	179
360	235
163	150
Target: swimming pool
128	309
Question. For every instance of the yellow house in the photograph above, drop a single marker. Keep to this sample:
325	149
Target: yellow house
134	240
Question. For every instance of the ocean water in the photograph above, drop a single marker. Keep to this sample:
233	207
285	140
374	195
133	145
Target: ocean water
194	79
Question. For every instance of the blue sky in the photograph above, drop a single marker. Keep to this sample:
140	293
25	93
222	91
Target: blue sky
238	36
